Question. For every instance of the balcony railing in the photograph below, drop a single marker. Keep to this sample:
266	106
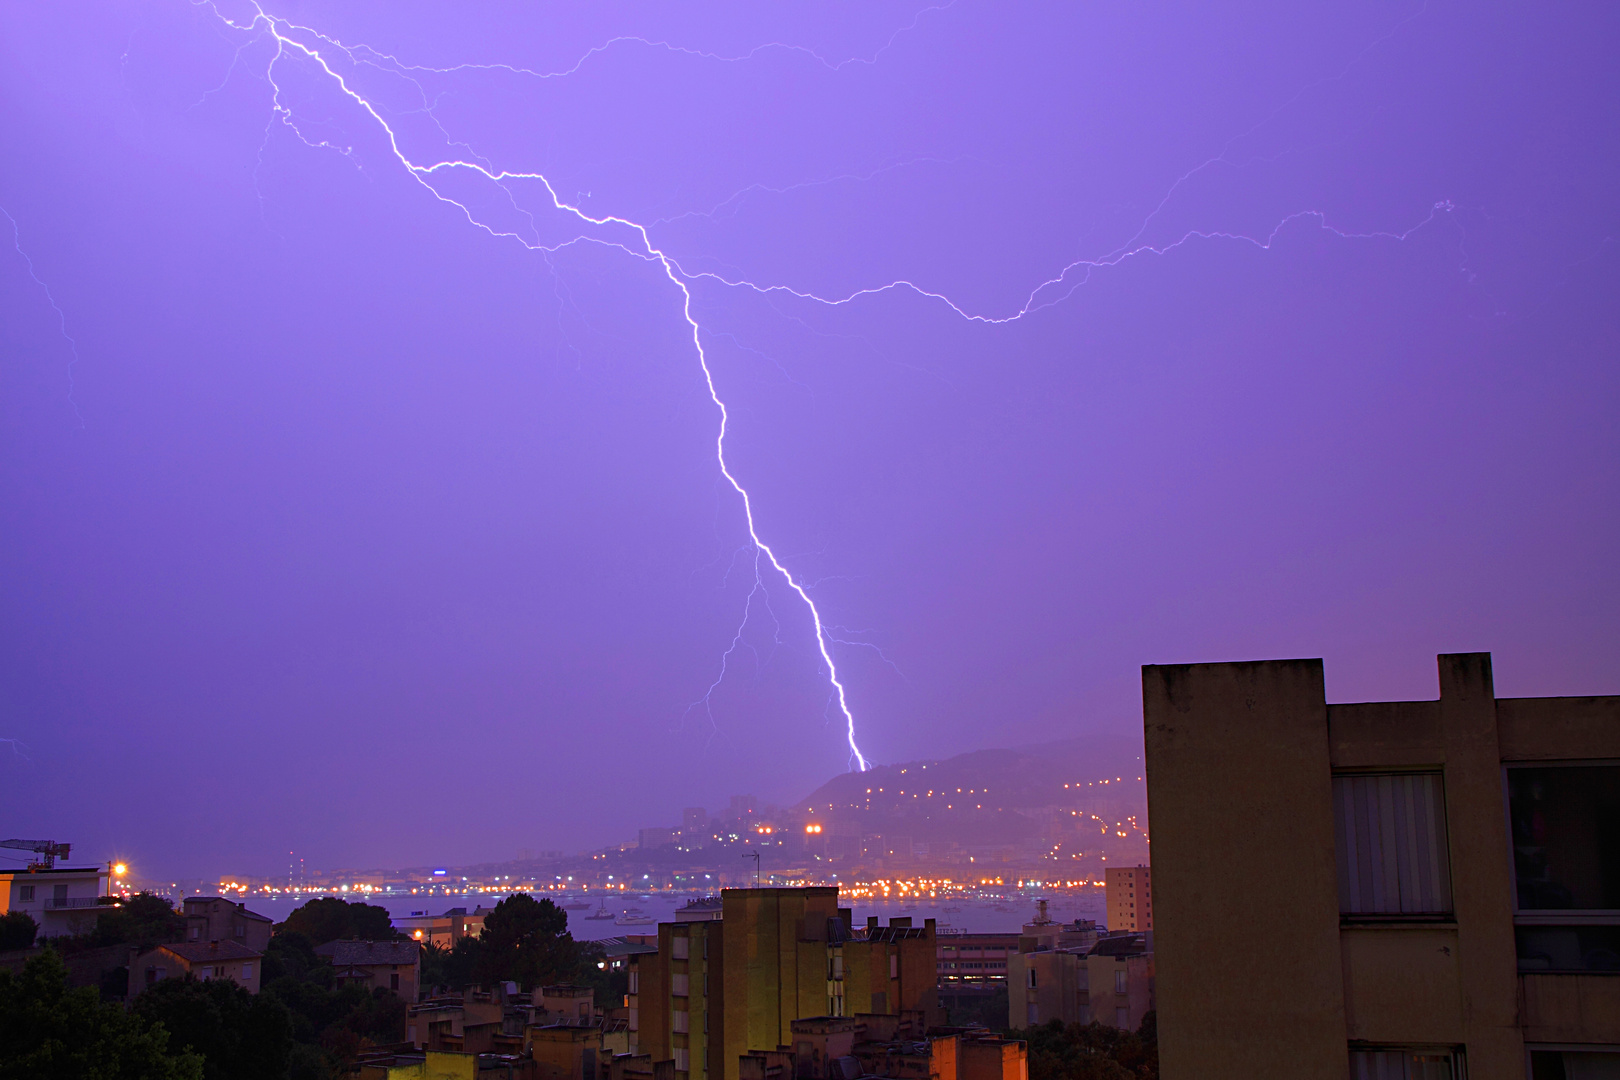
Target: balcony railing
71	902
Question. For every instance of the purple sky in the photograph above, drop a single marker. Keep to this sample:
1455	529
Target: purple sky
356	530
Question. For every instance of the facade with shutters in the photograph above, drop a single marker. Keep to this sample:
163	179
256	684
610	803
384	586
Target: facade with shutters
1411	890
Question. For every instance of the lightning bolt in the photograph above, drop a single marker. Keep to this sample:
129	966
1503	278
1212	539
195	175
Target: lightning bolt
294	42
61	316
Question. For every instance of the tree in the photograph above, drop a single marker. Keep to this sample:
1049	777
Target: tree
1093	1051
609	985
526	941
143	920
49	1032
17	931
330	918
331	1023
241	1036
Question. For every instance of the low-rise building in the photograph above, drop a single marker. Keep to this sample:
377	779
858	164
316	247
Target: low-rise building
442	930
564	1051
973	960
388	965
200	960
898	1047
1111	983
60	899
213	918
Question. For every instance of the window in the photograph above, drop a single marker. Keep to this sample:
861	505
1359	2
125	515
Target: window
393	980
635	981
1121	982
247	973
1566	837
683	1021
1587	1062
1565	824
27	894
682	1059
194	932
894	965
1390	840
1032	1014
680	985
680	947
1403	1064
1122	1018
58	893
1032	978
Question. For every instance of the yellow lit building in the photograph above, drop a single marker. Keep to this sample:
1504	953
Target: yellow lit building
1129	896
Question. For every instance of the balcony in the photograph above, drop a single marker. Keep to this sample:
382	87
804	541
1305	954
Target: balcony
72	903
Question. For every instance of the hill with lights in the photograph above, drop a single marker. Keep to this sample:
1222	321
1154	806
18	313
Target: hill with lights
1076	801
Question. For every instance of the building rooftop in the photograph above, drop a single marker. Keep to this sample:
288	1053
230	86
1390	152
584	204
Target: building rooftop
198	952
368	953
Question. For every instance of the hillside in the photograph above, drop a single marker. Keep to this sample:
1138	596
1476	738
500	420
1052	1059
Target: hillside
1070	799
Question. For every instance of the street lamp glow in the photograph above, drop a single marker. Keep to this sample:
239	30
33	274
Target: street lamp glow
119	870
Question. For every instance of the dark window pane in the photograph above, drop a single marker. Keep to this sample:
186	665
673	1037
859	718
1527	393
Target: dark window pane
1568	948
1566	836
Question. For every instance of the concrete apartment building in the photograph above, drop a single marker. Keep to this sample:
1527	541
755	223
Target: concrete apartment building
675	998
60	899
1128	895
718	989
792	954
1433	886
1109	983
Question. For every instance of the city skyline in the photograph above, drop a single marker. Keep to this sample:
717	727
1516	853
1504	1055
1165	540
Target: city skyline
1051	345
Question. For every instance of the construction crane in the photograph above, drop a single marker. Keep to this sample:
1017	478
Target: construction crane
47	850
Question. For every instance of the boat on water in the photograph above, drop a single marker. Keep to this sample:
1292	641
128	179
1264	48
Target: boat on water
634	918
601	913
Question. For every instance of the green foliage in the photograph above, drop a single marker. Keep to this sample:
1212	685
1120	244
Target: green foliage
49	1032
452	968
330	1024
17	931
329	918
526	941
610	986
144	920
241	1036
292	955
989	1011
1093	1051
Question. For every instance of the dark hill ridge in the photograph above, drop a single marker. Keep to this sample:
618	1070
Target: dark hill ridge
1074	794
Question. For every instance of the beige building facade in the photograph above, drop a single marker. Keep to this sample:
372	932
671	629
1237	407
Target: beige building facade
60	899
200	960
1432	888
1128	894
